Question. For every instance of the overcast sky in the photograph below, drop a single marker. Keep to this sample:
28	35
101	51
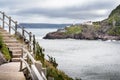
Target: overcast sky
58	11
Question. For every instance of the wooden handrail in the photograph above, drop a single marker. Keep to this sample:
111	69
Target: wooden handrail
15	28
27	65
29	55
40	75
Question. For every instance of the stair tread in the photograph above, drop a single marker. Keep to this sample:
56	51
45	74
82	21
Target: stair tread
14	48
16	55
10	41
15	59
12	76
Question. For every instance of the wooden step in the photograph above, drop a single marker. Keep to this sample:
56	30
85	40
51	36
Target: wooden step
16	55
13	44
12	76
7	38
6	35
14	48
3	33
2	30
16	51
11	41
15	59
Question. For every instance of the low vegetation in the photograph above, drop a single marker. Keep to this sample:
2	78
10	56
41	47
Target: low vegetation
4	50
51	65
114	31
73	29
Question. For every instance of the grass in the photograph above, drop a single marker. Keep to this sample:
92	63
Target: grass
4	50
96	27
73	30
55	73
115	31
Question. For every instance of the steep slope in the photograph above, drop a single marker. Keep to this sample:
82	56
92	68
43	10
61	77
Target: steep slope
115	16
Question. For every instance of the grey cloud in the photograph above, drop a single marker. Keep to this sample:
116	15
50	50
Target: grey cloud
8	3
74	12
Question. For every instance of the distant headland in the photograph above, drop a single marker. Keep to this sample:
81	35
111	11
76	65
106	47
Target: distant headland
107	29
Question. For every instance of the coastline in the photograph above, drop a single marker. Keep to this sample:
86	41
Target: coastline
58	35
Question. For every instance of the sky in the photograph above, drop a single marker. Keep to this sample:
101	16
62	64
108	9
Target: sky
58	11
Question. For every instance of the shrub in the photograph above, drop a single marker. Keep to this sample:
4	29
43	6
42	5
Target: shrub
39	55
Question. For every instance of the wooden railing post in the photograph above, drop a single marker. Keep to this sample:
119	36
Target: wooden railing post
21	64
30	39
10	25
3	20
15	27
34	43
23	34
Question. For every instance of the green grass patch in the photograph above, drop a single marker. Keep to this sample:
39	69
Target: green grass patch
115	31
55	73
96	27
73	30
4	49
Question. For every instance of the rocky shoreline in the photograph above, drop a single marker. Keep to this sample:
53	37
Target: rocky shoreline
84	36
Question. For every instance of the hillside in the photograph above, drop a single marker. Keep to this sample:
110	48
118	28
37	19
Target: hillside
115	15
106	29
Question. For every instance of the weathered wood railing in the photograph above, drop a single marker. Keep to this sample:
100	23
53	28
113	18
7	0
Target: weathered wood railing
35	68
19	31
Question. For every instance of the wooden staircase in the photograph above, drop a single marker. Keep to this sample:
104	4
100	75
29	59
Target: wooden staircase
13	45
13	70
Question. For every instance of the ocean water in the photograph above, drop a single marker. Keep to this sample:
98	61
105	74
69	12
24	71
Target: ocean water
89	60
85	59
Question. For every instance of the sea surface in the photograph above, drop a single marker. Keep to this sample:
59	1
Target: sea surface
85	59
